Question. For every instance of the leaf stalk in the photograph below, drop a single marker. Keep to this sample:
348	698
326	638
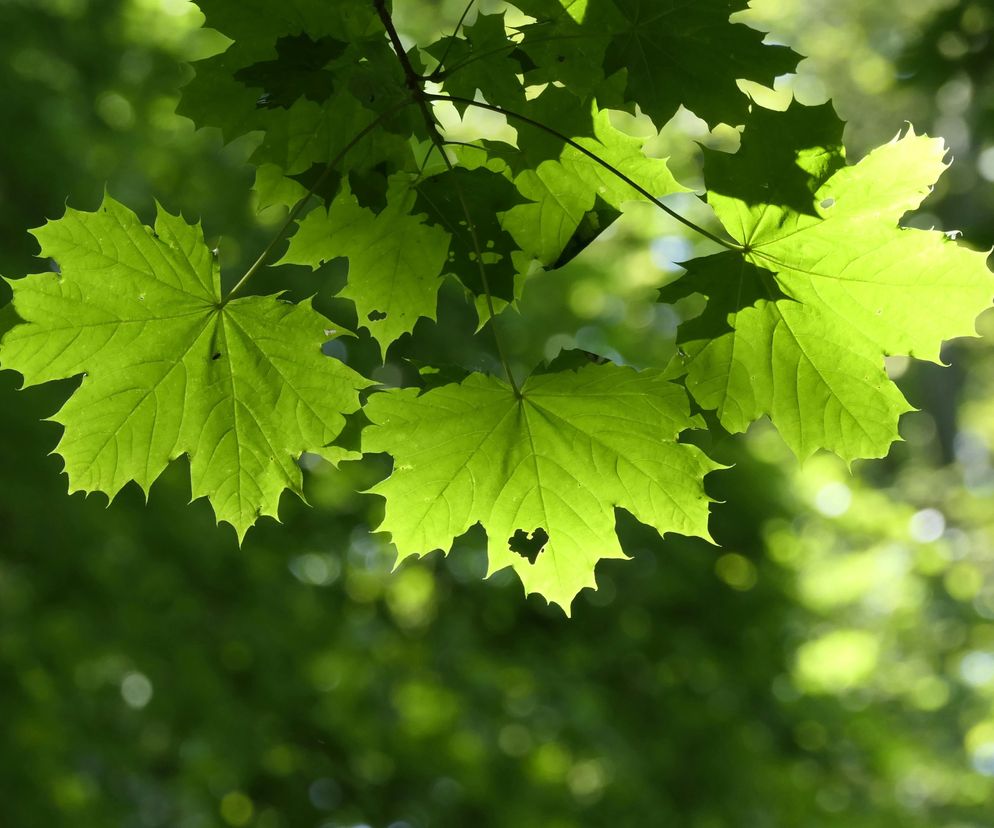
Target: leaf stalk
517	116
329	168
422	99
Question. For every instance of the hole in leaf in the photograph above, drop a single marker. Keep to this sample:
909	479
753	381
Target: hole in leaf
376	316
216	355
528	546
828	202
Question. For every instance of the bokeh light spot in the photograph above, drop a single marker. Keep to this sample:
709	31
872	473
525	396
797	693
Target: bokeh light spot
136	690
236	809
737	571
927	525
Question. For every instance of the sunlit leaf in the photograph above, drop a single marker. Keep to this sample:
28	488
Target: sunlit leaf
169	369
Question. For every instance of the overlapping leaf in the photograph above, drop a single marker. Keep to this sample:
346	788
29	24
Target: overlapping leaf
227	88
395	260
564	191
559	459
308	76
482	59
485	196
671	52
797	325
169	369
396	255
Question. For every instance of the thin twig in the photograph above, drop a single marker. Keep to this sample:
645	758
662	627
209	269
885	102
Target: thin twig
593	156
478	252
448	46
259	262
422	99
424	164
441	74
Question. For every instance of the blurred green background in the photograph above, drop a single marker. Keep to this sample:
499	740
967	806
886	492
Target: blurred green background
831	664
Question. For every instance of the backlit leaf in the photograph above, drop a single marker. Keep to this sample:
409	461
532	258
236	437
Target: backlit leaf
797	325
558	460
169	369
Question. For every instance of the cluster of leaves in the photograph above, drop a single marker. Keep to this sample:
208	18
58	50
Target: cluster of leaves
816	284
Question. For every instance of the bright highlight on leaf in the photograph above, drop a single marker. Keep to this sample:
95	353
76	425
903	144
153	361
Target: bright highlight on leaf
562	192
828	283
169	369
357	139
558	460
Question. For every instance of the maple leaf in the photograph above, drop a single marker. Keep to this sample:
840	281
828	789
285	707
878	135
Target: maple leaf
394	259
827	284
671	52
558	459
225	90
298	71
487	196
307	76
169	368
563	191
471	70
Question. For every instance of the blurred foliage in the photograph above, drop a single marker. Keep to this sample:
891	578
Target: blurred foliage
832	663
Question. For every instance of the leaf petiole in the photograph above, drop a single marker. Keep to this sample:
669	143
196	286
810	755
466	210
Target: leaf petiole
455	33
730	245
295	212
422	98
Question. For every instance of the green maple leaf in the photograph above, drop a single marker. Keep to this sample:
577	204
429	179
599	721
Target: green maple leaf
394	259
308	76
229	92
168	369
298	71
245	19
563	192
671	52
677	52
486	196
555	106
482	60
828	283
309	135
559	459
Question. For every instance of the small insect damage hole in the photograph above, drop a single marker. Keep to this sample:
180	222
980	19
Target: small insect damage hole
216	355
376	316
826	203
528	546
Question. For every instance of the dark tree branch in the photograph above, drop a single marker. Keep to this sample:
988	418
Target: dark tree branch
422	99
